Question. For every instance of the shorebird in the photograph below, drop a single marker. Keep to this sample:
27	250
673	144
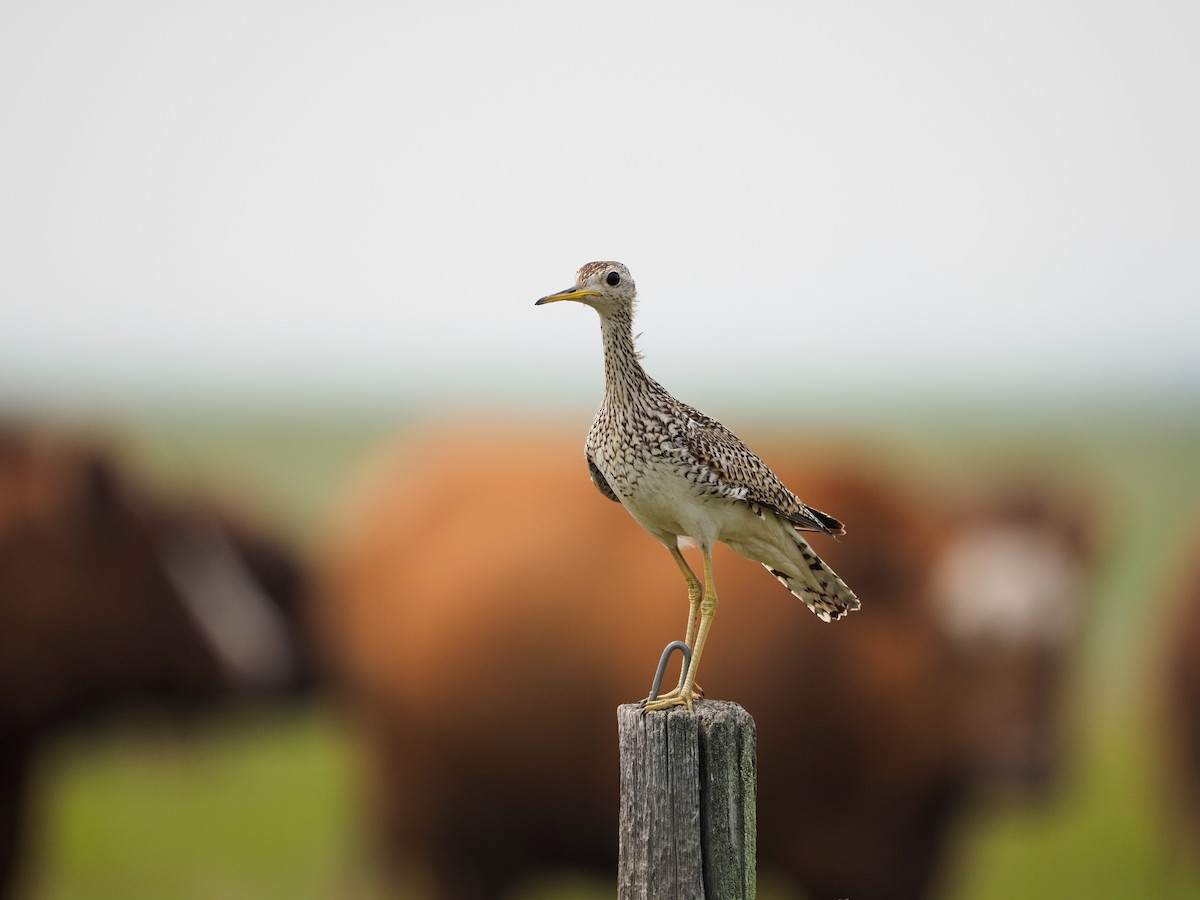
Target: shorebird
685	477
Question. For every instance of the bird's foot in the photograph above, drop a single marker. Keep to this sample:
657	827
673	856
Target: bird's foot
674	697
667	703
697	692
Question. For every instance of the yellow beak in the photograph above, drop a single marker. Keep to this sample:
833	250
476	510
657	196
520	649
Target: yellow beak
568	294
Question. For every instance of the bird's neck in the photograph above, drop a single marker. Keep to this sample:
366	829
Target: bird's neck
624	378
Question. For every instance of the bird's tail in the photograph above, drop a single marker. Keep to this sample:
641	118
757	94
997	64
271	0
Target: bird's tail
817	585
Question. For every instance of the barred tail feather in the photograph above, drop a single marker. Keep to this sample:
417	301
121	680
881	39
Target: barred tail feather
818	586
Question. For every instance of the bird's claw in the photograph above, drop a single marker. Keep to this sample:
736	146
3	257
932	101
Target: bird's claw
673	698
667	702
697	693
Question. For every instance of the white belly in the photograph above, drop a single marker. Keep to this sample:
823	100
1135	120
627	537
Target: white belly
663	501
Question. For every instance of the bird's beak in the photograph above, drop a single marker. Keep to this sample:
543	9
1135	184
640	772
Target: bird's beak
572	293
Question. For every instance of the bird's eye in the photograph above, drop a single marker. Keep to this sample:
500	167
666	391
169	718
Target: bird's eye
614	278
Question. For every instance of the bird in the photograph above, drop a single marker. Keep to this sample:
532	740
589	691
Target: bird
687	479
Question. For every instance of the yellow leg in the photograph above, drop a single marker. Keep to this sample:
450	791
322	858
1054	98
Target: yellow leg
707	609
694	591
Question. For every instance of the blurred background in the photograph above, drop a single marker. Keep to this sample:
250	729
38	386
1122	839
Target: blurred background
250	252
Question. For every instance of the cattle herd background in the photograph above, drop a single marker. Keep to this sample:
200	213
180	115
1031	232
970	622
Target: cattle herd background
314	660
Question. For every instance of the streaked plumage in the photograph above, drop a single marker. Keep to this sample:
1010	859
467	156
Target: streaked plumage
681	474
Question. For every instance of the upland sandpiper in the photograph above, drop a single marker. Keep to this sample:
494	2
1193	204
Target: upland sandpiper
682	475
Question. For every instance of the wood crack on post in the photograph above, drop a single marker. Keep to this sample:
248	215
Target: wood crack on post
687	819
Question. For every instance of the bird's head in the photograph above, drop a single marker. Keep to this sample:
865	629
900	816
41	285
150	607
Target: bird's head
604	286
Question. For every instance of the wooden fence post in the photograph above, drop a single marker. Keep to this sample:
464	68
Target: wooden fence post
687	826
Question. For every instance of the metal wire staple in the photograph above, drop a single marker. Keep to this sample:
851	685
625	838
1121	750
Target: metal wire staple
662	666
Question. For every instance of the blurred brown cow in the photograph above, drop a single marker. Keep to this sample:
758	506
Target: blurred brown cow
111	596
489	609
1009	592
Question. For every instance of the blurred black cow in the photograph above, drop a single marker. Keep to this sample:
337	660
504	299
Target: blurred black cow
1181	671
112	596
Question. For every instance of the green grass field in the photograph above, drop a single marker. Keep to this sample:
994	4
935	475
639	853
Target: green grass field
266	806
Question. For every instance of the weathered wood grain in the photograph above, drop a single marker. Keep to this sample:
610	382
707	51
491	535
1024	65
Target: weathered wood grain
687	815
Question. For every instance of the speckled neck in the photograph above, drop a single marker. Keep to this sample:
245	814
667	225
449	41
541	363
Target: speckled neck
624	378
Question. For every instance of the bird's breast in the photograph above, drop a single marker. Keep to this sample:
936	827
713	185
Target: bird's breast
659	483
633	451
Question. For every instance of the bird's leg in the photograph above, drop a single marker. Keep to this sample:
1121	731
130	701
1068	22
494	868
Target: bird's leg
707	608
694	588
694	591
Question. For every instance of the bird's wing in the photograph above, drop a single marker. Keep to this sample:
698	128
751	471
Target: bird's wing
739	474
599	481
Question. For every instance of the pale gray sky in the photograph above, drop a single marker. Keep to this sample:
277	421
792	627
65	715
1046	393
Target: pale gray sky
340	201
